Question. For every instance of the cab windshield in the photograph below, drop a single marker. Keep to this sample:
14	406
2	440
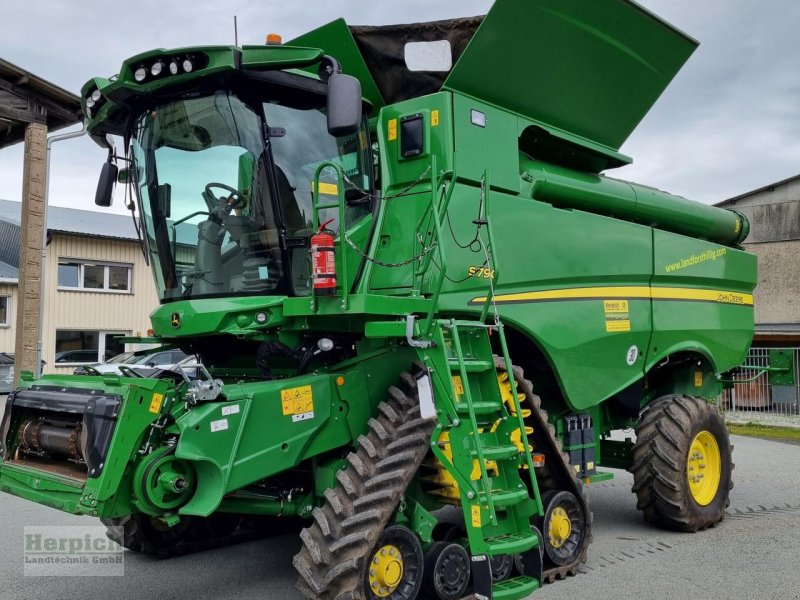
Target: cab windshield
225	190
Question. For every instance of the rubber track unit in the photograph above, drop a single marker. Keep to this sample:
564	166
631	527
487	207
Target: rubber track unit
345	529
557	474
663	435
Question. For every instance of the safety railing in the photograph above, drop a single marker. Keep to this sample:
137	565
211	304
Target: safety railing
342	224
765	389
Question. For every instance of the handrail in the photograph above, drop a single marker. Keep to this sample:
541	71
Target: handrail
761	371
340	204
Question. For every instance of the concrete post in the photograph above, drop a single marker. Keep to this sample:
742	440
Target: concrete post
30	251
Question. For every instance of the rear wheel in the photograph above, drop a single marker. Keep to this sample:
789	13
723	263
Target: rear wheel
682	463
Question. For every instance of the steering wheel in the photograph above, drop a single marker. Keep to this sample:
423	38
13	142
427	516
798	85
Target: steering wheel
212	200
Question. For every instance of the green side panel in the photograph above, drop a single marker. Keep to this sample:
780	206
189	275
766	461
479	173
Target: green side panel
592	69
406	182
540	247
264	428
721	328
494	146
336	40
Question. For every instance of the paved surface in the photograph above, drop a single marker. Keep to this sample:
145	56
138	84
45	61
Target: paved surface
752	554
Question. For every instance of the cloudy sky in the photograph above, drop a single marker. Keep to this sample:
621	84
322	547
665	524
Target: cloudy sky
729	123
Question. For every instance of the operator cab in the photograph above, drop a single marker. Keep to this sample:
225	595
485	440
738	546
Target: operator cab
224	180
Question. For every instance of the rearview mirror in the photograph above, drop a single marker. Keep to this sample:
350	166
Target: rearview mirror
344	104
105	185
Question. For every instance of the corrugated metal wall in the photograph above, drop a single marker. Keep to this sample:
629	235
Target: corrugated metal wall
97	311
9	243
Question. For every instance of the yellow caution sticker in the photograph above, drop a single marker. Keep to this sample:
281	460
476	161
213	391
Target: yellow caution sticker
434	118
392	130
476	516
615	306
298	402
156	402
618	325
698	379
589	465
329	189
617	315
458	386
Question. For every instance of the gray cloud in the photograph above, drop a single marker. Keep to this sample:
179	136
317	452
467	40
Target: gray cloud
729	123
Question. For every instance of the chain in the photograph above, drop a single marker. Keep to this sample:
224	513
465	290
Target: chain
425	250
403	192
399	194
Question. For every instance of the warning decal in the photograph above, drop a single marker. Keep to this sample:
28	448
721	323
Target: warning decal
476	516
458	386
298	402
156	402
617	315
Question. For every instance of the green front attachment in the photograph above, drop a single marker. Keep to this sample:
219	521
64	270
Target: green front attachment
479	441
68	441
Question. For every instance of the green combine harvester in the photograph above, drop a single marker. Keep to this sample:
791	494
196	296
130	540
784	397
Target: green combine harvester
411	288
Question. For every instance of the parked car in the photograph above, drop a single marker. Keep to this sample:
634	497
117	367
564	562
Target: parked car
142	360
78	356
7	379
6	372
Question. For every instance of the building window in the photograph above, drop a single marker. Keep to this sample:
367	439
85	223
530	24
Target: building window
5	310
94	276
87	346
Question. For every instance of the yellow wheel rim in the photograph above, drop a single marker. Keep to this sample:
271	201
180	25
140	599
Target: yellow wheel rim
386	570
704	468
560	527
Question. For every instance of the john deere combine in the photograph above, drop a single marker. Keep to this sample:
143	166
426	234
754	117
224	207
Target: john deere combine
411	287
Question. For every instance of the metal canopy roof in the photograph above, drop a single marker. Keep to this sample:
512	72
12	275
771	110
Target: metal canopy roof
26	98
76	222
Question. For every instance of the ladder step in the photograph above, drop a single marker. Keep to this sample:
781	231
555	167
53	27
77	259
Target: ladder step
471	366
498	452
514	588
515	543
480	408
508	497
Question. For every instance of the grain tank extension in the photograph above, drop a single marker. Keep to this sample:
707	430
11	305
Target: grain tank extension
421	304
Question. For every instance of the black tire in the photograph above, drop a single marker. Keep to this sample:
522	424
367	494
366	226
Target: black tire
664	436
406	541
573	546
447	571
502	566
333	562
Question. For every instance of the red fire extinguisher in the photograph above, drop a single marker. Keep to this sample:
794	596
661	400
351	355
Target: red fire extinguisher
323	261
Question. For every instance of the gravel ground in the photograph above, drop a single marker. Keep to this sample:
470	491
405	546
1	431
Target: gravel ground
752	554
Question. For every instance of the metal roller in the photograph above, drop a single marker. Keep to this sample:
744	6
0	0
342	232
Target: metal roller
39	437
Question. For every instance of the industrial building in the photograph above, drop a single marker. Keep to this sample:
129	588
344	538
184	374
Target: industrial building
97	285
